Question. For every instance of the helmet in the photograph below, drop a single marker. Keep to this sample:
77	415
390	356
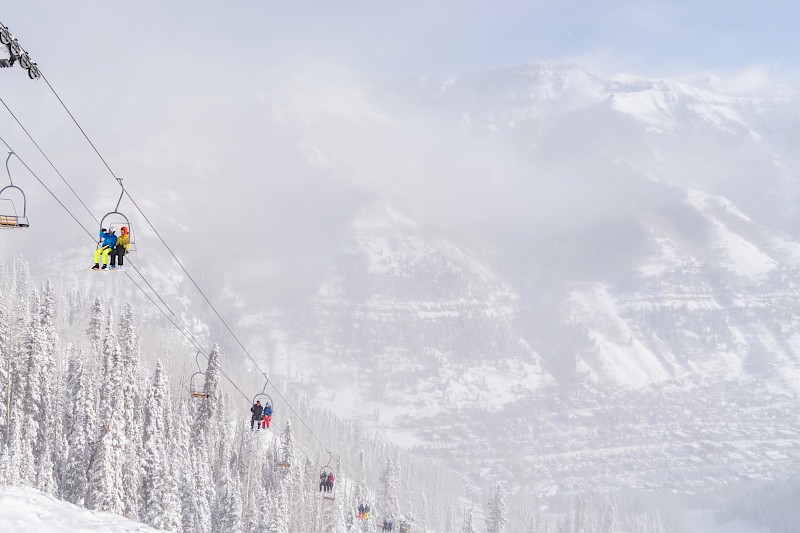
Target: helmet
124	230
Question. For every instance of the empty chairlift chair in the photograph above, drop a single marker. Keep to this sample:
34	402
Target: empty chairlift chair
284	452
197	382
9	216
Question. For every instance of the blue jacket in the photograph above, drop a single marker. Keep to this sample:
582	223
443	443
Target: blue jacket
109	239
268	410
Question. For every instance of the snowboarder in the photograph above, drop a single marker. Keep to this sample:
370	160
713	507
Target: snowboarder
266	416
323	481
329	484
107	243
121	248
385	525
366	512
257	409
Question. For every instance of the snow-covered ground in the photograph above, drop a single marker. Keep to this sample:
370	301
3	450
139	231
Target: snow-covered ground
704	522
26	510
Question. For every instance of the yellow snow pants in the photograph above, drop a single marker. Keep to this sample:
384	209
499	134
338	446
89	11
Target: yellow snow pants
104	251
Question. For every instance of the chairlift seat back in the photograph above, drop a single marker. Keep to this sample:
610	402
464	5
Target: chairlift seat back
9	219
117	225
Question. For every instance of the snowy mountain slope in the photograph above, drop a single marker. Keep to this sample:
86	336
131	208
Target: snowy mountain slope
646	240
546	258
422	315
23	509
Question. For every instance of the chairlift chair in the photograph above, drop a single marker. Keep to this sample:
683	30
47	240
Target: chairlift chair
326	470
284	451
268	400
263	394
195	390
9	217
115	220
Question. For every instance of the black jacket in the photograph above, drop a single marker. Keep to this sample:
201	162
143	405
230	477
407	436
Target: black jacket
257	410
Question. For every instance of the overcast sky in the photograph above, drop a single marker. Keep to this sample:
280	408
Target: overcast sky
442	37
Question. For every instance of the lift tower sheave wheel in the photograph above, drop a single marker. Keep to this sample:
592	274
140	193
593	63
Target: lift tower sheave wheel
16	54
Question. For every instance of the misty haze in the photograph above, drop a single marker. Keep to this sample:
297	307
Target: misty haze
496	269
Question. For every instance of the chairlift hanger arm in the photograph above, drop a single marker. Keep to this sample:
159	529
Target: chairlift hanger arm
8	170
12	186
121	194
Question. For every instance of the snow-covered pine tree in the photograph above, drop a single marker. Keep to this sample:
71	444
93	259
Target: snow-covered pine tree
333	517
302	483
362	495
161	507
21	286
132	411
258	481
582	519
5	460
387	490
109	353
14	453
227	510
49	438
468	526
180	451
497	513
206	410
609	521
32	385
203	439
5	360
105	491
20	446
202	486
279	519
82	423
212	419
96	327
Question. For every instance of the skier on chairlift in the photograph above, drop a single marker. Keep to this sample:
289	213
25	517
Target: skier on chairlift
122	246
257	410
107	243
266	415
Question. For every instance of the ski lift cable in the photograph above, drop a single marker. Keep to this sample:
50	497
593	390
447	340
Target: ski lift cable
48	160
193	341
55	197
178	324
185	331
174	320
180	264
79	199
182	329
